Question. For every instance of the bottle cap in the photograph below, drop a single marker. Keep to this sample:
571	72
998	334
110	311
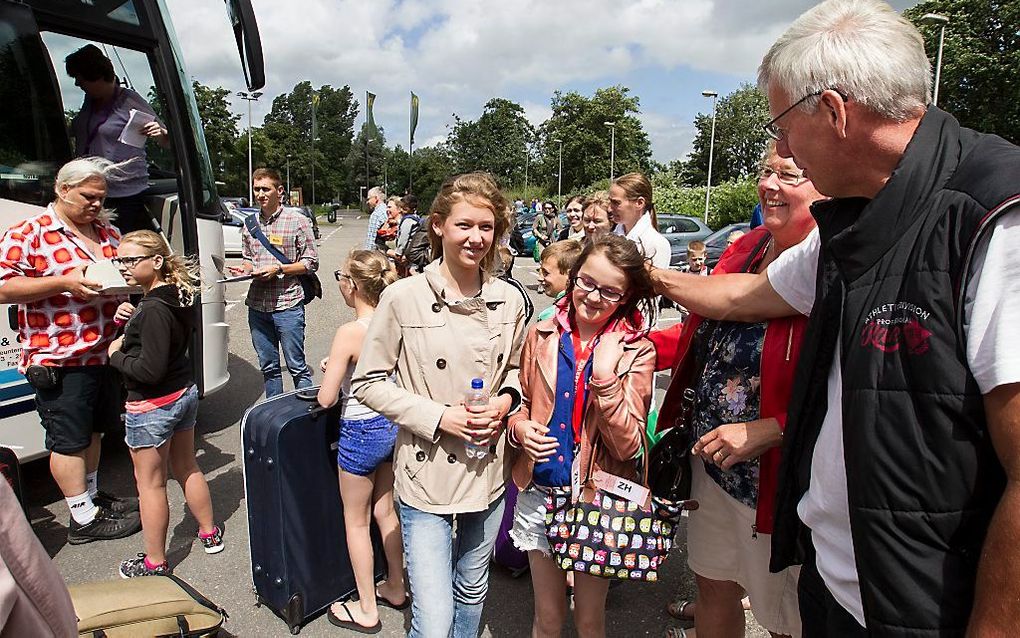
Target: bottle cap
477	384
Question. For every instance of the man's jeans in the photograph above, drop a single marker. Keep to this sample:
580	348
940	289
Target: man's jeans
269	331
449	576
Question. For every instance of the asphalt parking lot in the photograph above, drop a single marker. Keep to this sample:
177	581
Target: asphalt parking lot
634	609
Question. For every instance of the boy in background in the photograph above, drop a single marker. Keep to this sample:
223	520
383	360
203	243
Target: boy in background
555	263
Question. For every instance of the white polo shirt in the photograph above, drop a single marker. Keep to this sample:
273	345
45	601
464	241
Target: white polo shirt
992	328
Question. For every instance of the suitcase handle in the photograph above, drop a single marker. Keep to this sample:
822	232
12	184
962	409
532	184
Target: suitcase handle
312	396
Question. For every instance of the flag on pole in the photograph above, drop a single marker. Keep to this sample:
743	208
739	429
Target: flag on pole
315	106
369	102
414	115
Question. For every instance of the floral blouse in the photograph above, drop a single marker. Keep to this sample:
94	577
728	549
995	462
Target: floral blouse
728	391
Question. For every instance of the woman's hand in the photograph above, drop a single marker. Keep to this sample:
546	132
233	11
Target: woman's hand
607	355
124	312
115	345
534	440
735	443
473	426
153	129
323	363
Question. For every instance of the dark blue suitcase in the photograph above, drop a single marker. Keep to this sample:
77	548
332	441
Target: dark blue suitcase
299	558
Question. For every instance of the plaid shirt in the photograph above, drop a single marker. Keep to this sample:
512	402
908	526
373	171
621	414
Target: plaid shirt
291	233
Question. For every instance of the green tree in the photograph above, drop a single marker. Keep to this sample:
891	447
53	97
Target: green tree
219	124
374	141
496	142
980	61
432	164
580	122
739	139
288	128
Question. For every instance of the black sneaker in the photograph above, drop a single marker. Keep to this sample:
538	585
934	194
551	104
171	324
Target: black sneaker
115	504
105	526
134	567
213	544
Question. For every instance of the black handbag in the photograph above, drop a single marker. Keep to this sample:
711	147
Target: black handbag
669	463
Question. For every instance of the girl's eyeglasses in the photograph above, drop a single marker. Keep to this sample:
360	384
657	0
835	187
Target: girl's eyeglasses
130	262
589	286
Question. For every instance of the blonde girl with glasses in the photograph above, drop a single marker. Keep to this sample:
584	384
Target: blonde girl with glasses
154	358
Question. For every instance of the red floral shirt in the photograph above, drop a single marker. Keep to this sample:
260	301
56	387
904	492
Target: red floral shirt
59	330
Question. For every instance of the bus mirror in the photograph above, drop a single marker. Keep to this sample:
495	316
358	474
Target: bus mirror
249	44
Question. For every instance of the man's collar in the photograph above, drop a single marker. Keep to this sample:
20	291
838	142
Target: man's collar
643	223
269	220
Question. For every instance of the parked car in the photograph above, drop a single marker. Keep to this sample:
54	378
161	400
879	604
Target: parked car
525	221
681	230
715	244
232	224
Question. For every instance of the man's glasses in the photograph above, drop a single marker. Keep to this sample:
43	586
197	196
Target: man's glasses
791	179
589	286
130	262
776	133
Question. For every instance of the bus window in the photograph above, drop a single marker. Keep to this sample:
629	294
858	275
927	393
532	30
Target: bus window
33	136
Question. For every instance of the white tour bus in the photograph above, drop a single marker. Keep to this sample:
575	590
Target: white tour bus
35	140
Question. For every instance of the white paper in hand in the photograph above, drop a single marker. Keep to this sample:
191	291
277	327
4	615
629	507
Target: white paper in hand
133	135
112	281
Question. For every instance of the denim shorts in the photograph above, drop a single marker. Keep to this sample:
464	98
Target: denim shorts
155	427
528	530
364	444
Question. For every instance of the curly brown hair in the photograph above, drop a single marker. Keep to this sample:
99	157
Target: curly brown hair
479	189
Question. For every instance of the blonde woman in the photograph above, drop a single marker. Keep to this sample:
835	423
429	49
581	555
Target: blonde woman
438	331
162	401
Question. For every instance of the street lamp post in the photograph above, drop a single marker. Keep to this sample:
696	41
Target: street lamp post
711	150
314	140
250	97
559	177
527	153
612	149
942	21
288	176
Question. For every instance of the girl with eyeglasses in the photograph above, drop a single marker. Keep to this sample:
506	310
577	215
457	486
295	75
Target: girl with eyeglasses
584	376
162	402
364	451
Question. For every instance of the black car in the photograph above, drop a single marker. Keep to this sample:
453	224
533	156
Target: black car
715	244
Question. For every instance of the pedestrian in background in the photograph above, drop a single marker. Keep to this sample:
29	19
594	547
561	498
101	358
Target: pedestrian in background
595	216
546	226
630	203
275	299
154	358
364	452
574	228
437	331
376	199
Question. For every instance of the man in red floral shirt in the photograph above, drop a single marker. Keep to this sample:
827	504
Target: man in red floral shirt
65	328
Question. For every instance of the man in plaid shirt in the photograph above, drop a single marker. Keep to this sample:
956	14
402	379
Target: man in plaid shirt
276	312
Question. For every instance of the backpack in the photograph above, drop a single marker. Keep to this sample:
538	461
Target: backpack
418	251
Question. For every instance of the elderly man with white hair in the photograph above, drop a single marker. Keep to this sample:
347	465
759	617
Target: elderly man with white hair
900	481
376	198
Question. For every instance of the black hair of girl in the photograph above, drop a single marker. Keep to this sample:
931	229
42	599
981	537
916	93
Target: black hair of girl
638	304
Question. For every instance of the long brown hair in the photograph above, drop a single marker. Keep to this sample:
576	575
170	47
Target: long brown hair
638	305
480	189
637	185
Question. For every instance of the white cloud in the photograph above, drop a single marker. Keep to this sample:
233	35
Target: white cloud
456	54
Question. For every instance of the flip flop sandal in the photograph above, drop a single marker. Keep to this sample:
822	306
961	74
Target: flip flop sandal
351	624
675	632
382	601
678	609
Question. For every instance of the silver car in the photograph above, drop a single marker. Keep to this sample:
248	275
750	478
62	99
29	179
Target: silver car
681	230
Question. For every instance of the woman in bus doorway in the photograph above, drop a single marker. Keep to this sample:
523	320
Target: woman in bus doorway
630	202
443	332
98	127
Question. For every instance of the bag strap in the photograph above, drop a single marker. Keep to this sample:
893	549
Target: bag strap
252	224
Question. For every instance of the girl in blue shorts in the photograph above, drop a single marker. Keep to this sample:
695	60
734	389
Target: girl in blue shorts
162	403
365	452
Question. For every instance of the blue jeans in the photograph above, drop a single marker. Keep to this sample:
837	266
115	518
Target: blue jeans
270	331
449	576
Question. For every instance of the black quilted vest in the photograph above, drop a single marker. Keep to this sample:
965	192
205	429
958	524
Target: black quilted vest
922	477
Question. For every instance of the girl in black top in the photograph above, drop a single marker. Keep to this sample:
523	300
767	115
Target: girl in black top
162	403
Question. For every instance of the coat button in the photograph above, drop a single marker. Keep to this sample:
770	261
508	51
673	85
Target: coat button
563	426
451	458
420	456
566	395
441	364
436	307
560	458
492	305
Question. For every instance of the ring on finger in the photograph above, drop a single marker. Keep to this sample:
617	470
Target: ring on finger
720	456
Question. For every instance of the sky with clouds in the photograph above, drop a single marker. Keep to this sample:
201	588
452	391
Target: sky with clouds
457	54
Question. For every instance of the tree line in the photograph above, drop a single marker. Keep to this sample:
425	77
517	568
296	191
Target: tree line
978	86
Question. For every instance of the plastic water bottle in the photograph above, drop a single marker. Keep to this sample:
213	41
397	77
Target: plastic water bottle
476	397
